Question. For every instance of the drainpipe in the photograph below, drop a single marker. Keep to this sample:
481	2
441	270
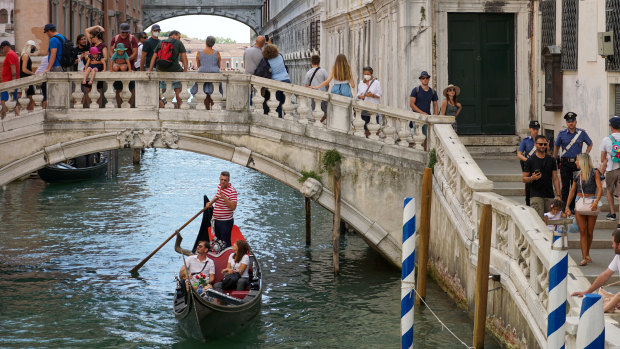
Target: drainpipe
532	30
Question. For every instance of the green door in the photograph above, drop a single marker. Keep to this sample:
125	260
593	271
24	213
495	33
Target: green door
481	62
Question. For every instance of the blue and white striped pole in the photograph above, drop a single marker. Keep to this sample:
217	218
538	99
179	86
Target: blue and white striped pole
556	306
591	330
408	277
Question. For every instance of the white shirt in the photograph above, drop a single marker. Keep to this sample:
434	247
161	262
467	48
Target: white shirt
375	89
552	217
137	63
237	266
615	264
606	147
195	266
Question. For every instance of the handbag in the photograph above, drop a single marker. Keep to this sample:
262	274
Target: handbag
229	282
584	206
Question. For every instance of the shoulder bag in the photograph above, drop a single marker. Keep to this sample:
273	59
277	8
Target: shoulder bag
584	206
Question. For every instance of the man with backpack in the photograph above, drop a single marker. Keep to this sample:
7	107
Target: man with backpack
610	164
421	97
55	49
131	44
166	58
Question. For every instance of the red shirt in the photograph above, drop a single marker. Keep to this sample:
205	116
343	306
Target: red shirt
221	212
131	43
10	59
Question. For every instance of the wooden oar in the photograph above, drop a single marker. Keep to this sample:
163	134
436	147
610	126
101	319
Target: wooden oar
135	269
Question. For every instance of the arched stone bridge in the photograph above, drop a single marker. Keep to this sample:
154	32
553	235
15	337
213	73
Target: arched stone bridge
377	173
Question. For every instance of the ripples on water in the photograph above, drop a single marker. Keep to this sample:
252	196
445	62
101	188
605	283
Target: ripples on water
65	252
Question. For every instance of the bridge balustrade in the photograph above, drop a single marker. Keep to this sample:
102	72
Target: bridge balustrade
388	125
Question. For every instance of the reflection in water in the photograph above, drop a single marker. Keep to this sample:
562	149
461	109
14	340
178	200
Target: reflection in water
66	249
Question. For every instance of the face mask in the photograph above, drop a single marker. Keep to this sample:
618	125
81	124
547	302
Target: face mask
367	77
33	50
155	34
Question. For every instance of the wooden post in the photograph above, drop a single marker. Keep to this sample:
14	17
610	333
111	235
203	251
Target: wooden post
136	156
482	276
336	231
425	223
308	223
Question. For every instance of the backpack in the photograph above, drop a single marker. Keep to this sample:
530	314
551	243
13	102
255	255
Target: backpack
263	69
68	54
615	150
164	56
416	89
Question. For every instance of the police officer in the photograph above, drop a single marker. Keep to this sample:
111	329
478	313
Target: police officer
527	149
571	141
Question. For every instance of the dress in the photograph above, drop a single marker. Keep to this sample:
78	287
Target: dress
208	64
23	74
550	216
451	111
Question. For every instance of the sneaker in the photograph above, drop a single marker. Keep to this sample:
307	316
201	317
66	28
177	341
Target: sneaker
611	217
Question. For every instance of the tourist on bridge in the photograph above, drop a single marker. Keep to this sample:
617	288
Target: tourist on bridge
200	267
10	71
587	190
82	46
450	105
272	66
148	49
610	165
314	77
369	90
610	301
421	97
527	149
253	55
541	171
95	36
208	61
343	78
54	49
224	204
141	40
167	55
130	44
94	63
571	141
25	68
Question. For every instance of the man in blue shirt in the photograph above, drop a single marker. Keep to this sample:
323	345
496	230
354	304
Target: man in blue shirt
571	141
55	48
527	149
421	97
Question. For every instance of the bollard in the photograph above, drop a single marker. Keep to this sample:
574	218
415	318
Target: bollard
591	330
556	306
408	278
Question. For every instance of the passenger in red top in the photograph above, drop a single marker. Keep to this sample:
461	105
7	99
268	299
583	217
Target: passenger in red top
225	204
10	71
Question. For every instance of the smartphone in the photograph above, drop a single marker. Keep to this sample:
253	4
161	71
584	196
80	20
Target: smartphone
536	171
266	37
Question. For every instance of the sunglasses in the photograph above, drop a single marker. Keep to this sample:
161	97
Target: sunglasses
425	78
542	144
451	89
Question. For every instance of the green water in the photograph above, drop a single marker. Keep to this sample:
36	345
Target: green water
65	252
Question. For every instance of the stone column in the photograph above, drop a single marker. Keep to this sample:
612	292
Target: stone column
147	92
238	92
339	113
58	91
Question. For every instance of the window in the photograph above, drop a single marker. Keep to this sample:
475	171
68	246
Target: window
4	16
569	34
315	35
548	22
236	64
227	65
617	100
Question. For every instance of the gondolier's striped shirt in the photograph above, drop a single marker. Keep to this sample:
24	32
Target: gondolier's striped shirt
222	212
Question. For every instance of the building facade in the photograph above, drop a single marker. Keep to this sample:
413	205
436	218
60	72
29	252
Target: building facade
7	21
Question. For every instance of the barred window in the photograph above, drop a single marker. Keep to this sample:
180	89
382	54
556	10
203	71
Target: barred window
569	34
4	16
613	25
315	35
548	22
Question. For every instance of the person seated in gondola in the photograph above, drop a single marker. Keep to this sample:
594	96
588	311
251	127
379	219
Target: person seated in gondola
201	268
238	263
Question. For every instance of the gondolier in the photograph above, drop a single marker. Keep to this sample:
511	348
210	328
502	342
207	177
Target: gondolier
527	149
571	141
224	204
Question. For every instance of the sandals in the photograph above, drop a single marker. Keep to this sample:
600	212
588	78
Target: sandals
583	263
588	259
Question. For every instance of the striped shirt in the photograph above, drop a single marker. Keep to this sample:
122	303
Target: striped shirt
221	212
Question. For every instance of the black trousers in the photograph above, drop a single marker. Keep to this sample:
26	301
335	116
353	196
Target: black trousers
566	175
223	230
527	186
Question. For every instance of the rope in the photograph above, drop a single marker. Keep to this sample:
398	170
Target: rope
441	322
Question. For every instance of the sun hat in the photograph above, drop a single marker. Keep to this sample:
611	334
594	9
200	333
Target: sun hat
94	51
445	90
120	47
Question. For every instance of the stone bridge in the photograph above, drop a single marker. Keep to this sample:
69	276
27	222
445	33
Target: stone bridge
377	173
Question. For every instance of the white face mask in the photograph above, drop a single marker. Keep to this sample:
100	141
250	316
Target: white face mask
367	77
155	34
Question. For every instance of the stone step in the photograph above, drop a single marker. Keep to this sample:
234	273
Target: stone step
600	261
491	140
505	177
500	167
509	189
601	240
494	152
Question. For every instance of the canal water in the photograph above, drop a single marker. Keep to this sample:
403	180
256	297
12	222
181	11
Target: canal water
65	253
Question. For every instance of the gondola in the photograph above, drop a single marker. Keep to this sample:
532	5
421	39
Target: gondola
79	169
219	314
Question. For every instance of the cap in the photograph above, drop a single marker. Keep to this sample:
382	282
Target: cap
615	122
155	28
5	43
534	124
125	28
424	74
570	116
49	26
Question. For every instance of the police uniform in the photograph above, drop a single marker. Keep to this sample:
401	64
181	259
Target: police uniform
569	155
525	147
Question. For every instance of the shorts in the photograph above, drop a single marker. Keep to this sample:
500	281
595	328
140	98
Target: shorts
611	180
5	96
342	89
98	66
175	84
118	85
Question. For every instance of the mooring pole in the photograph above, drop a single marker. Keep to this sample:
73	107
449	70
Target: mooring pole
556	304
336	231
425	223
591	328
408	276
308	223
482	275
136	156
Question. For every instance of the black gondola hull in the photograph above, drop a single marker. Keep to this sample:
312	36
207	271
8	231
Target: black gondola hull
53	174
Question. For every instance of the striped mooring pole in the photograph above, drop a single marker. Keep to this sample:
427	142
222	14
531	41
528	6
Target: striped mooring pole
591	330
408	278
556	306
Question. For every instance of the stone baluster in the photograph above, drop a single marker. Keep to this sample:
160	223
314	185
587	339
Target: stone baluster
303	111
37	98
257	100
23	102
10	105
200	96
184	95
418	137
169	95
389	130
358	124
217	97
78	95
373	127
317	113
125	95
93	95
272	103
403	133
110	95
288	107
